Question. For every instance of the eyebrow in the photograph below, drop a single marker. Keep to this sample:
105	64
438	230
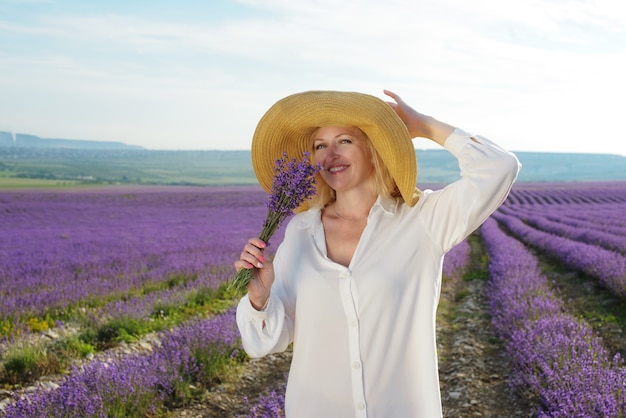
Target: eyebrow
337	136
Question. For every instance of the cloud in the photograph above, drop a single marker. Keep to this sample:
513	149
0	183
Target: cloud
486	64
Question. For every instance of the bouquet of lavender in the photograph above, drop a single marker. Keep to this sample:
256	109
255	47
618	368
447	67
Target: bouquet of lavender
293	184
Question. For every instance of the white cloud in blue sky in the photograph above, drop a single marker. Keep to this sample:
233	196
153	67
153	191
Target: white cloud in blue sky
537	75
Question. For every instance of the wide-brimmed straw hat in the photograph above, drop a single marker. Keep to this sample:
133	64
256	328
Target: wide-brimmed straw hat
288	125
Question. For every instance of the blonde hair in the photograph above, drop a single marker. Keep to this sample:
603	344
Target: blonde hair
383	184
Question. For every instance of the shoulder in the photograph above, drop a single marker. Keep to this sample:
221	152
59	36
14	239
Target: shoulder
304	220
425	196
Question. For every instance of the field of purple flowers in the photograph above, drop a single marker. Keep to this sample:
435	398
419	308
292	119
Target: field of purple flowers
103	253
114	264
557	357
157	257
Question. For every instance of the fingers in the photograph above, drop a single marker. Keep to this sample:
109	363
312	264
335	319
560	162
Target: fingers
398	106
240	265
252	255
257	242
393	95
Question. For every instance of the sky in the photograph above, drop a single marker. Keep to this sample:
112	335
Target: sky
532	75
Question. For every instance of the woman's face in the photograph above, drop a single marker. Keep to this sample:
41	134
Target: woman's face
344	155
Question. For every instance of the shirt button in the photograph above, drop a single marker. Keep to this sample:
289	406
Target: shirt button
360	406
353	322
356	365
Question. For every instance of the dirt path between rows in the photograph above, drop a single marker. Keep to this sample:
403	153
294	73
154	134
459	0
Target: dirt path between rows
234	399
473	369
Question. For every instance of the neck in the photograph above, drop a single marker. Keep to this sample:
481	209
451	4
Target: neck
356	209
346	218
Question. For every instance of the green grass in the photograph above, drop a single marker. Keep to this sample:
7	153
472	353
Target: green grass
57	167
219	168
25	364
587	299
24	183
203	300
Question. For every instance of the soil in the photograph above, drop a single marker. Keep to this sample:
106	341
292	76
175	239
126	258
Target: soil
235	398
473	366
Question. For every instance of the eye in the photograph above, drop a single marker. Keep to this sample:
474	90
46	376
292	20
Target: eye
345	141
318	147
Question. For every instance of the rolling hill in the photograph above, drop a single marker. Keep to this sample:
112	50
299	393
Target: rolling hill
30	157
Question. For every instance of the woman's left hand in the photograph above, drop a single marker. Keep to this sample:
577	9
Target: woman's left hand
417	124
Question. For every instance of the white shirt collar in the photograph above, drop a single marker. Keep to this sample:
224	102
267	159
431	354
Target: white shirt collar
385	203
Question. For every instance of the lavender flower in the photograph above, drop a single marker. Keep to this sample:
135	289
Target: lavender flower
293	184
270	406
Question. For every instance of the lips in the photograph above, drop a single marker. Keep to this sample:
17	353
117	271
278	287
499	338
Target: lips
336	169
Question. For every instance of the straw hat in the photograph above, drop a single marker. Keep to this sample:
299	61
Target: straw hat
287	127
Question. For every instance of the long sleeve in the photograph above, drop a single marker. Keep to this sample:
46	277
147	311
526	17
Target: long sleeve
262	332
487	175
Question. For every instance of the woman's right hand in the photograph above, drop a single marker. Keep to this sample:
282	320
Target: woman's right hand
253	257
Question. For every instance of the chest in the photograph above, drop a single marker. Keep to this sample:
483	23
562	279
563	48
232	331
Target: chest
342	239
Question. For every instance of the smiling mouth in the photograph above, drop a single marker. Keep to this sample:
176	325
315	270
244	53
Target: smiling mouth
336	169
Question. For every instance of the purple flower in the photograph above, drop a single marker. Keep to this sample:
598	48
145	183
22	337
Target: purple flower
270	406
457	260
293	184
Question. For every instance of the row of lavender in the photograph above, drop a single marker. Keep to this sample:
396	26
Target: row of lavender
555	356
590	224
138	385
568	193
583	227
116	251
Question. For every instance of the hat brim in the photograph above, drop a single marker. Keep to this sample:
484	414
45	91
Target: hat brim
287	127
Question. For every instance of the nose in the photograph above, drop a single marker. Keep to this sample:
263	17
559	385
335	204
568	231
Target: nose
331	156
332	151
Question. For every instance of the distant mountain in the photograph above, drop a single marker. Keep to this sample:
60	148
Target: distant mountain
441	166
29	156
7	139
544	166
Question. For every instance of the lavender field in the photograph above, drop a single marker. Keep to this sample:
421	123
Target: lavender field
557	355
90	269
112	252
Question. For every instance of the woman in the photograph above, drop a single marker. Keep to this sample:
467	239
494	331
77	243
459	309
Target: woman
356	281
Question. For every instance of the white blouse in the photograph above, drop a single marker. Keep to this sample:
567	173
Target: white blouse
364	335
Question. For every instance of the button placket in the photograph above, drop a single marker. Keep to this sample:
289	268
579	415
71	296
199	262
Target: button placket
348	297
